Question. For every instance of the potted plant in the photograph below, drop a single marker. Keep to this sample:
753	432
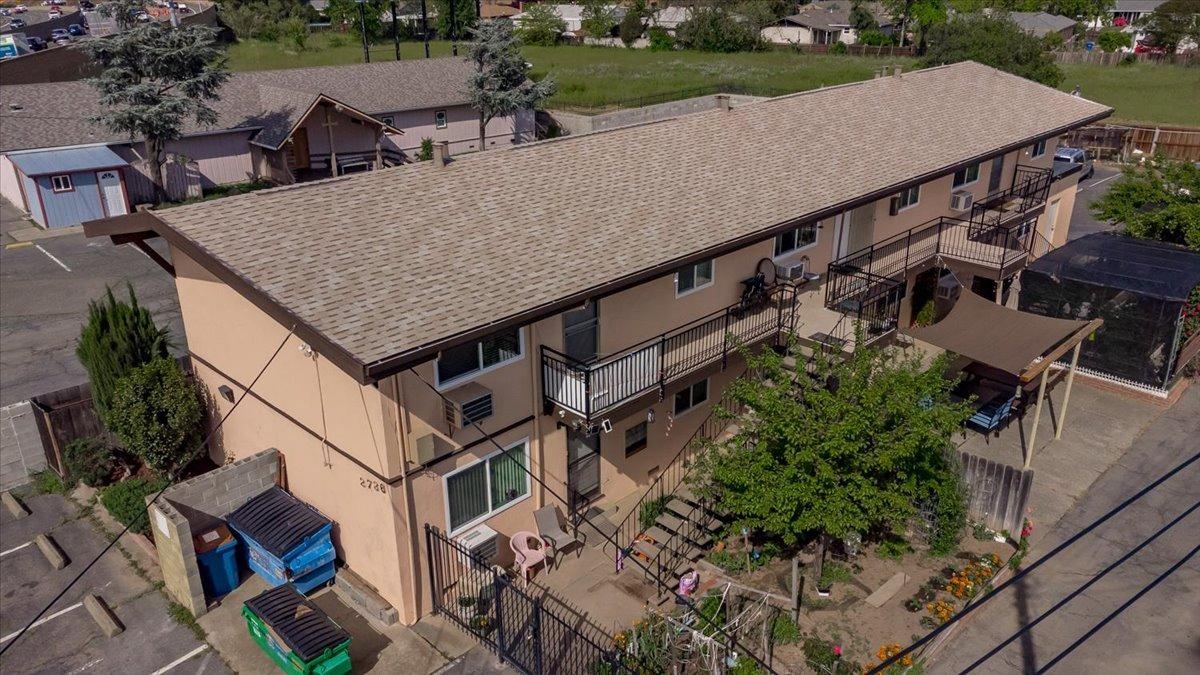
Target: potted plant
481	624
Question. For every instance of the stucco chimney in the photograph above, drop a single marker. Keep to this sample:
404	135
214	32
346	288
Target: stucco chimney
441	153
897	69
723	102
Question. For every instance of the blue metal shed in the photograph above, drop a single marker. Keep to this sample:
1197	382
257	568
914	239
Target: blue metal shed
66	186
285	539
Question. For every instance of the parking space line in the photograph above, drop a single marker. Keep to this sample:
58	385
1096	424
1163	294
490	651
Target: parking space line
180	660
1095	183
14	549
42	620
51	256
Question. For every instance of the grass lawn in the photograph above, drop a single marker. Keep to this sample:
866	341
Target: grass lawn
594	77
1145	93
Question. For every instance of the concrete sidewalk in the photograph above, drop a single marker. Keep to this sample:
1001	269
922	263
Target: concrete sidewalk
1157	634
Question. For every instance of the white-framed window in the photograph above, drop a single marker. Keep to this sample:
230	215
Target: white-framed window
388	120
694	277
909	197
482	489
795	240
691	396
635	438
470	359
1038	149
439	119
966	175
61	183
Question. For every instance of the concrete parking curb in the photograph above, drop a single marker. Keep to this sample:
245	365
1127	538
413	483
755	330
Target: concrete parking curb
30	234
16	508
53	553
103	615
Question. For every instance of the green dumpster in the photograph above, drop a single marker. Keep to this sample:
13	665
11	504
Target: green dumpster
298	636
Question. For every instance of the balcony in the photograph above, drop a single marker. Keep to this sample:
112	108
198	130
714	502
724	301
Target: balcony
591	389
1029	190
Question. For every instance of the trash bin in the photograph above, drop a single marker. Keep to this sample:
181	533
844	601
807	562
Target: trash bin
216	555
285	540
296	634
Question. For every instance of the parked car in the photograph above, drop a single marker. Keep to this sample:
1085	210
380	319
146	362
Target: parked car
76	30
35	44
4	11
60	36
183	9
52	3
16	24
54	13
87	6
1076	156
20	9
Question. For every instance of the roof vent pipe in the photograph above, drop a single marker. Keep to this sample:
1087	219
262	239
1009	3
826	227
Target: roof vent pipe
723	102
441	153
897	69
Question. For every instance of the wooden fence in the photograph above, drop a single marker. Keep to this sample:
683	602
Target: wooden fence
1098	57
861	50
997	493
1122	143
63	416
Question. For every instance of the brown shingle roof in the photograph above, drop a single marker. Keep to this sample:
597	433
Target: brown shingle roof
465	251
56	114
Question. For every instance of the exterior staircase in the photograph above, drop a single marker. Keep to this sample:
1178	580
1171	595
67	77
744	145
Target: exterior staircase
678	538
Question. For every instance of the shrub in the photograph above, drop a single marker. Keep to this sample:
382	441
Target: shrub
826	657
832	573
336	41
1113	39
630	27
47	482
126	501
838	48
426	152
297	31
156	413
893	548
784	631
661	40
715	29
91	461
650	512
1053	41
541	26
117	338
875	38
950	512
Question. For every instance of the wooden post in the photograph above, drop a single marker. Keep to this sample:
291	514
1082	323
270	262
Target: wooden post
796	588
1062	414
378	148
329	124
1037	417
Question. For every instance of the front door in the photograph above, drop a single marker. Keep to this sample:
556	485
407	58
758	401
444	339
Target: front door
300	149
112	192
997	173
583	467
581	332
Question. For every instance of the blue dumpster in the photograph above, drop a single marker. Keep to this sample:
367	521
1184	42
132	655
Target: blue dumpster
285	540
216	555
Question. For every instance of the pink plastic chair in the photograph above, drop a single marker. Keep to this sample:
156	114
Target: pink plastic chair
527	556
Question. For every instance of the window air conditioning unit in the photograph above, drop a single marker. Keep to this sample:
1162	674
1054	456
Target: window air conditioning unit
429	447
792	270
961	200
481	542
467	404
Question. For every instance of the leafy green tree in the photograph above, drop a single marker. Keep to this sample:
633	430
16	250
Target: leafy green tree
500	84
848	451
346	12
541	26
116	338
156	413
296	30
464	13
1173	22
916	16
661	39
995	41
153	79
714	28
1080	10
633	24
598	19
1113	39
1158	200
861	17
426	152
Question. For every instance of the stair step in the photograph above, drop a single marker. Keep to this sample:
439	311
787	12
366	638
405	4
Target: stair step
659	535
714	525
669	522
682	508
646	549
684	492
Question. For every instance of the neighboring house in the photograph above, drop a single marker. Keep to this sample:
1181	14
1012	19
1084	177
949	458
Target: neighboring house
1129	15
1041	24
283	126
572	15
824	23
580	310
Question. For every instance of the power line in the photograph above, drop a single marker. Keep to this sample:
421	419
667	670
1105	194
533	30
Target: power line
1099	575
1124	606
143	514
1019	575
733	643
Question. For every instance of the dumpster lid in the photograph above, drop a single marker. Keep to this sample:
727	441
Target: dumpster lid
211	538
303	626
277	521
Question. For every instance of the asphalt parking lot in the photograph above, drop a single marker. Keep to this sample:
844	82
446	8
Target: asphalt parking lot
45	287
1095	187
67	639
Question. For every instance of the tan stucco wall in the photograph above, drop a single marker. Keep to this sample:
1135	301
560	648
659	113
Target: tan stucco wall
1063	193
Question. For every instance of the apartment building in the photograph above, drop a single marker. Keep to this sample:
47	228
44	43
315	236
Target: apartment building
583	316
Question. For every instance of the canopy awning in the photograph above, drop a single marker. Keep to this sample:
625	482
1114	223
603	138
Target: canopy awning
1013	341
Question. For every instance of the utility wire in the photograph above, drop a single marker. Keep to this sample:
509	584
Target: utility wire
1019	575
1124	606
1099	575
144	513
733	643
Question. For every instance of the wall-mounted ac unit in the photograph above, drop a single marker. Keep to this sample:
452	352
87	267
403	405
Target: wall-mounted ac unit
481	542
469	403
791	270
961	200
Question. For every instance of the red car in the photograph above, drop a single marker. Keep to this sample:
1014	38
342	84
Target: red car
1142	48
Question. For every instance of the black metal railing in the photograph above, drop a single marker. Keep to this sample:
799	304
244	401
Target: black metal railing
532	632
1029	190
672	476
868	318
591	388
871	270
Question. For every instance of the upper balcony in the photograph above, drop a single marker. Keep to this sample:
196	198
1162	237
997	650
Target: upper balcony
593	388
1028	193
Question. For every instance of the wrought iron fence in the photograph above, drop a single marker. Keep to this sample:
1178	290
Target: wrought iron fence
527	631
1030	187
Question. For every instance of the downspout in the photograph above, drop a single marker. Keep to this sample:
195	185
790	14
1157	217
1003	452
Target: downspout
534	366
414	545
